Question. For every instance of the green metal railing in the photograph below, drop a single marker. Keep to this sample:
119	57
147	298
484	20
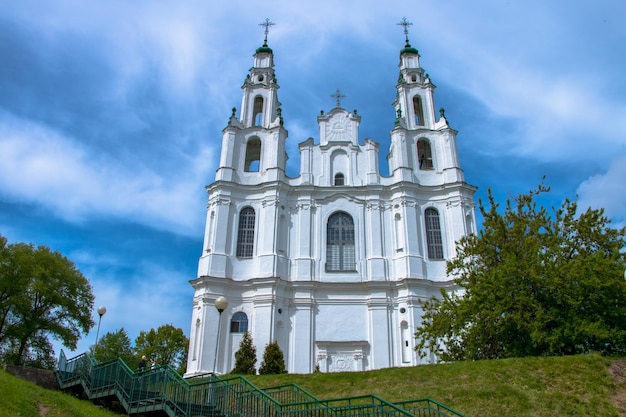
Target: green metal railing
161	388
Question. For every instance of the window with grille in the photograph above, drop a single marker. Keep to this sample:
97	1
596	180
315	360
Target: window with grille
239	323
424	154
433	234
339	179
340	254
245	237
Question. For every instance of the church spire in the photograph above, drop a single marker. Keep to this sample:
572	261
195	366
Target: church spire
407	46
414	99
267	23
260	105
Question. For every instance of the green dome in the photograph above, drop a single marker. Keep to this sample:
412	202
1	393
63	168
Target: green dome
264	49
408	49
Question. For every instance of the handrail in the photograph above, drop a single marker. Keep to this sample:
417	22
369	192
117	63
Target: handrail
431	408
279	393
162	388
372	404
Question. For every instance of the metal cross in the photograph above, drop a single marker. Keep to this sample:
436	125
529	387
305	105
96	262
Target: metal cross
267	23
338	97
405	23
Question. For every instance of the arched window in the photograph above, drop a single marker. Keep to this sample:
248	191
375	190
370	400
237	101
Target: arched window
433	234
424	155
245	237
418	111
339	179
340	243
239	323
253	155
257	111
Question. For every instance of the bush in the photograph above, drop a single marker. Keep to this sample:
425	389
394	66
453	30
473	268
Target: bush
245	357
273	360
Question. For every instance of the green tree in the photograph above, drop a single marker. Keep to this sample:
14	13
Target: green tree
273	360
166	345
533	283
38	354
42	295
245	357
115	345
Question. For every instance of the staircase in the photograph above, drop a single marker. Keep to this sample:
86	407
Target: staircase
161	391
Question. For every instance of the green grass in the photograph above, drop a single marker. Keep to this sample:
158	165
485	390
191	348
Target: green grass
557	386
24	399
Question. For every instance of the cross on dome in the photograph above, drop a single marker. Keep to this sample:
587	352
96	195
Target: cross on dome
338	97
267	23
405	23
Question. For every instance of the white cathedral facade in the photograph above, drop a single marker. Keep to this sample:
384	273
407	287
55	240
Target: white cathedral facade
335	263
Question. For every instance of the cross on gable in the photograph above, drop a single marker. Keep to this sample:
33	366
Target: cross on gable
338	97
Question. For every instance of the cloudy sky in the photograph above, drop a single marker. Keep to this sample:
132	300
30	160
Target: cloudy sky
111	115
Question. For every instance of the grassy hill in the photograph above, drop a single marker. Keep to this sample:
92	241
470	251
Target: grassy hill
564	386
24	399
554	386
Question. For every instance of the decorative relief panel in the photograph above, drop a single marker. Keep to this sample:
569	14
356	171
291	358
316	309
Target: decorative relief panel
342	356
339	128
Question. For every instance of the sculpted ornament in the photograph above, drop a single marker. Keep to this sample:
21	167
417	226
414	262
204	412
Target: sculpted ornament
219	201
338	128
270	202
306	206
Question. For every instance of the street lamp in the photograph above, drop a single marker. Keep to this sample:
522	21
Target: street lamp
220	304
101	310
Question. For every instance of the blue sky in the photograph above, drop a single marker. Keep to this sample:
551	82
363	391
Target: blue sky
111	115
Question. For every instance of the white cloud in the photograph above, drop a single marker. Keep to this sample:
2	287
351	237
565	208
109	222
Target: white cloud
607	191
41	166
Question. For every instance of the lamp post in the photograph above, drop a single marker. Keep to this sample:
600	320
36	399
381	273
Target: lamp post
220	304
101	310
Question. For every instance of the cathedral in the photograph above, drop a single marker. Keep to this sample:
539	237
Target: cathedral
335	263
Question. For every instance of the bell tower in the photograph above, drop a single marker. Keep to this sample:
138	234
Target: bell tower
255	143
423	149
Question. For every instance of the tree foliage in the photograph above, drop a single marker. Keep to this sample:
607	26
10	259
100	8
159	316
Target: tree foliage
245	357
533	283
115	345
166	346
42	294
273	360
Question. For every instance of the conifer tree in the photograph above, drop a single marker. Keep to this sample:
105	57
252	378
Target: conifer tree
245	357
273	360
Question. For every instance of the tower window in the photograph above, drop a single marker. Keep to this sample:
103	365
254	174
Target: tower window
339	179
253	155
418	111
257	111
245	237
433	234
340	254
239	323
424	155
